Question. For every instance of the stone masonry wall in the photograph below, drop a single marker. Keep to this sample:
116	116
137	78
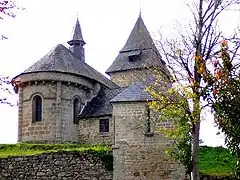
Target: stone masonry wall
53	166
137	154
69	130
89	132
126	78
57	123
29	131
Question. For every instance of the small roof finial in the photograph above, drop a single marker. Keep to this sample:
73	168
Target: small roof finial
140	8
77	15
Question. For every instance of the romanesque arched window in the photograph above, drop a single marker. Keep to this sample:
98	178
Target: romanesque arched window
76	109
37	108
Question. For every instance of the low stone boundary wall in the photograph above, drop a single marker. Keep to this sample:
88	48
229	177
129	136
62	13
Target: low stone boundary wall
51	166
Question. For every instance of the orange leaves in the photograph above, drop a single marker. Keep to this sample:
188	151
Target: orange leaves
202	69
220	78
224	43
215	92
219	74
222	66
200	65
222	72
198	59
227	81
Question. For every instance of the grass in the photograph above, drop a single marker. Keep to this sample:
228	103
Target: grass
216	161
8	150
101	151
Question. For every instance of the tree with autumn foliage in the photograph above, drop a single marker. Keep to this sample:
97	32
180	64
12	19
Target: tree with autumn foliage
188	58
225	97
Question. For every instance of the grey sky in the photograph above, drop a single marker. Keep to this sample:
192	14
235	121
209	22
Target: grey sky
105	24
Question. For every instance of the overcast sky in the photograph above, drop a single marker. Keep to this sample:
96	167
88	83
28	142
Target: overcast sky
106	25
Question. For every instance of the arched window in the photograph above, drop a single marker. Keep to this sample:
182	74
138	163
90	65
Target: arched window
76	109
37	108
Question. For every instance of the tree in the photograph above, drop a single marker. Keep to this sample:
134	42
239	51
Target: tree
226	98
180	134
7	9
187	58
4	90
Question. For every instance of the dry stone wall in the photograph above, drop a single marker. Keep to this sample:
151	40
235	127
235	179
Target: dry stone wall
84	166
53	166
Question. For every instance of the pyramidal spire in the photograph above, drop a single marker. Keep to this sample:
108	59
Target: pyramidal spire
77	42
139	38
138	52
77	35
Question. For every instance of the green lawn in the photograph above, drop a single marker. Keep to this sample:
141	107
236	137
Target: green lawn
215	161
33	149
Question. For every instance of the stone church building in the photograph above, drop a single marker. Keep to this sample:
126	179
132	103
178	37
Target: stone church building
63	99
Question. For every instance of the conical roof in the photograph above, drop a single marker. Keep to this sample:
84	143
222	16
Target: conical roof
139	38
77	34
139	42
61	59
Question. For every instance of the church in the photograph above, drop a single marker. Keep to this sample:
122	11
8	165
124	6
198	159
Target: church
64	100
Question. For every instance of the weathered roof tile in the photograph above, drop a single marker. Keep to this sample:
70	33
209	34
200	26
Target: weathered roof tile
139	40
100	105
134	93
61	59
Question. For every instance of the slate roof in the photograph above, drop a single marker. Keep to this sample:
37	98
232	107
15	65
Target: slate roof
139	39
77	34
134	92
100	105
61	59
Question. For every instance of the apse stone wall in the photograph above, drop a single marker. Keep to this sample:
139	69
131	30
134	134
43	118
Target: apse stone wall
57	123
